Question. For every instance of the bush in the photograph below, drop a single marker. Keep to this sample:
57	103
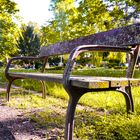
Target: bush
120	67
78	67
56	68
113	63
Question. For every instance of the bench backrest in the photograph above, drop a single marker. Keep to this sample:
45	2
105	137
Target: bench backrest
124	36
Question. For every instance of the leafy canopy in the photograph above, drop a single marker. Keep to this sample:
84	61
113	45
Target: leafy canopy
8	29
73	19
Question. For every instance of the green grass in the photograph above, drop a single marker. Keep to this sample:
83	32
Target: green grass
106	72
98	116
100	72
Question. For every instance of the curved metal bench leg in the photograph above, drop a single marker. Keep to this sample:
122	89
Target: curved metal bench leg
69	126
74	95
126	91
43	89
8	89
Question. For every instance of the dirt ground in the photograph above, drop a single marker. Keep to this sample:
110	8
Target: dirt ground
14	126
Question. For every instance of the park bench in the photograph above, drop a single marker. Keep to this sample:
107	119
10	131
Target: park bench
125	39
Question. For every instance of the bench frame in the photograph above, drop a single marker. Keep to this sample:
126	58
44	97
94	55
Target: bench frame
74	92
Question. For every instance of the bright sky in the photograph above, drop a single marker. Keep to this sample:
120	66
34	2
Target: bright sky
34	10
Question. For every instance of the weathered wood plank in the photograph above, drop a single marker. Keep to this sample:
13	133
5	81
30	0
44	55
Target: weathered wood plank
82	81
39	76
92	84
134	82
129	35
103	82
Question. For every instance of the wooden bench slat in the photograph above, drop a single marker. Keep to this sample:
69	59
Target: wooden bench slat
124	36
39	76
134	82
93	84
82	81
104	82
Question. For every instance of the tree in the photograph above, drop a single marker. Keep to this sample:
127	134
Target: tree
73	19
58	28
123	11
50	34
29	41
8	29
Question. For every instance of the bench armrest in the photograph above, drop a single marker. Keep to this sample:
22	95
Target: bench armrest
84	48
19	58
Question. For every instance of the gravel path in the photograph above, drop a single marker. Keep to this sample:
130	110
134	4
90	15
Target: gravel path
14	126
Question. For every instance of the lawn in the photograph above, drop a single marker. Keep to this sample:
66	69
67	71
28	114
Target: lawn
98	116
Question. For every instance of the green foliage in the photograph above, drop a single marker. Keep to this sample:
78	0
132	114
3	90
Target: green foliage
29	41
8	7
73	19
83	59
123	11
108	127
50	34
90	58
117	56
97	58
8	29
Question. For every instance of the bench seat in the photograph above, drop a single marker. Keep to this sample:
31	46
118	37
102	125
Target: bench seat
89	82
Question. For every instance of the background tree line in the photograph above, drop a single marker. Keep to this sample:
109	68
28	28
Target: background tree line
71	19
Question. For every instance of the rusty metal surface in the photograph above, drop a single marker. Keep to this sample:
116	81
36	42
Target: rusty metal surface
129	35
